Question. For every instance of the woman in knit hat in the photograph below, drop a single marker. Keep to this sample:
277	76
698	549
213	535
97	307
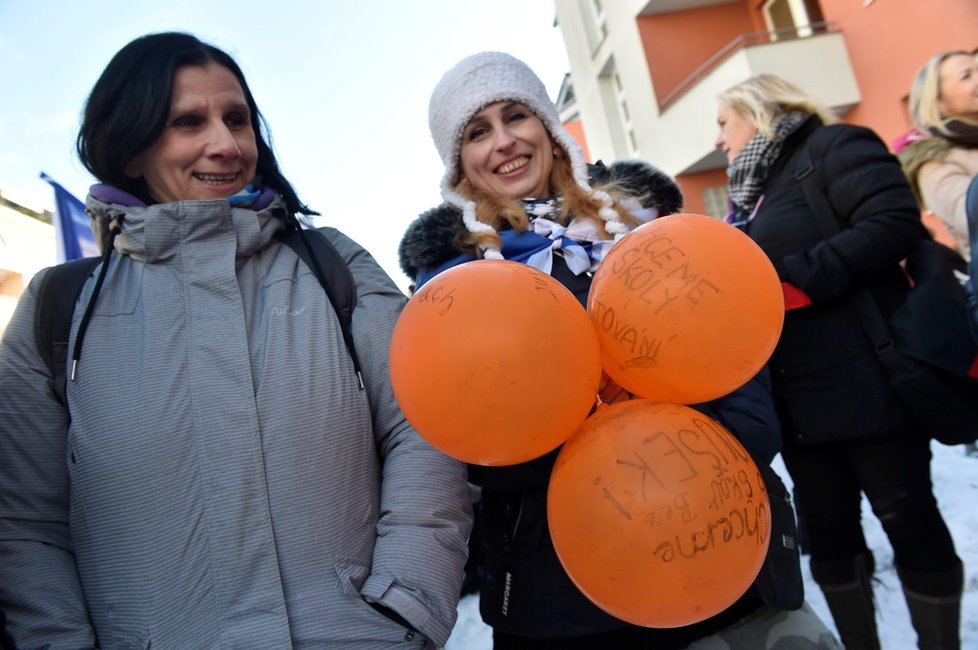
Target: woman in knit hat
515	200
516	187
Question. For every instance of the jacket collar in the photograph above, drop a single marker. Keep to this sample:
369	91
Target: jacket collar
156	232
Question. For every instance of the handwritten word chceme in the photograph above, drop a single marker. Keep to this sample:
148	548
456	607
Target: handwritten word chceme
749	521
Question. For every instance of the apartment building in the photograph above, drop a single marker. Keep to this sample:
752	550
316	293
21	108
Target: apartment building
645	74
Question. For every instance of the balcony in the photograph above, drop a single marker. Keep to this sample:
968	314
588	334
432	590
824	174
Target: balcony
653	7
812	56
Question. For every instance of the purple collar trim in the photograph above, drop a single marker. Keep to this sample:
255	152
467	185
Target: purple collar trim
266	196
109	194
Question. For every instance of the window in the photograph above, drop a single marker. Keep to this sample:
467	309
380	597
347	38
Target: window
790	18
612	90
626	118
595	25
715	201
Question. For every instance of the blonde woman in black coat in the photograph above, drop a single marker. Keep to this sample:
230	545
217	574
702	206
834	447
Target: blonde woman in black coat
845	433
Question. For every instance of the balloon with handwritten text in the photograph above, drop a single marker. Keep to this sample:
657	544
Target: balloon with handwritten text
494	362
658	514
687	308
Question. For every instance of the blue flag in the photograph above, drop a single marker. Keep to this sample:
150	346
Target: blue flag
72	227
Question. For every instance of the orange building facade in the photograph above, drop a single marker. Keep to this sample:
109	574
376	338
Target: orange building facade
653	68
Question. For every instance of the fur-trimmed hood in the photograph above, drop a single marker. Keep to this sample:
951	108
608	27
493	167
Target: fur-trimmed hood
431	239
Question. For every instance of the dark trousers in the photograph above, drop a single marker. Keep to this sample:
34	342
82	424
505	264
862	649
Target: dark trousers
894	473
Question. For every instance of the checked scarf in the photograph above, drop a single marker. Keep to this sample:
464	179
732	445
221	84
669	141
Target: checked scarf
748	171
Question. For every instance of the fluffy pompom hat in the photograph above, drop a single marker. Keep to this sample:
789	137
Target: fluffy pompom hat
476	82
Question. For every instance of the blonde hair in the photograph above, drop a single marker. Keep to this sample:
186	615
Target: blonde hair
762	99
496	211
924	103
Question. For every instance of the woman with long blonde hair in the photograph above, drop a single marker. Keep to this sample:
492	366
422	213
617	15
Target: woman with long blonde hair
845	432
944	105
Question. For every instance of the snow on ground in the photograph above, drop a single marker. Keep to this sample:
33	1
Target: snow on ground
956	488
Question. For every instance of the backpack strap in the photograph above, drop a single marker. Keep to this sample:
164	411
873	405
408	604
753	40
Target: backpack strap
829	225
804	173
319	254
52	316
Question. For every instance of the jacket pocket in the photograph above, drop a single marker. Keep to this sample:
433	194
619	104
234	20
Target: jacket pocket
352	574
365	621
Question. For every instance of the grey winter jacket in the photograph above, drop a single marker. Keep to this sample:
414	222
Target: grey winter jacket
223	482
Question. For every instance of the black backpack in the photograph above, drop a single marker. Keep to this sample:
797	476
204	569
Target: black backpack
60	288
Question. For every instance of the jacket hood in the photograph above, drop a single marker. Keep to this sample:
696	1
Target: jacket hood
152	233
432	239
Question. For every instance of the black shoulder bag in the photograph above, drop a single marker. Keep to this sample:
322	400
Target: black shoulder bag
926	346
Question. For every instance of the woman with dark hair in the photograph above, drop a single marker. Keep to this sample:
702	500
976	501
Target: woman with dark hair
229	475
128	109
516	187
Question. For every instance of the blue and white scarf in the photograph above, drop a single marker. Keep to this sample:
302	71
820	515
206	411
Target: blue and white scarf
580	242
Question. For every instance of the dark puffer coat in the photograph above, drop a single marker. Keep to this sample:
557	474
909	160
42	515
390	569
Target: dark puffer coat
524	590
827	381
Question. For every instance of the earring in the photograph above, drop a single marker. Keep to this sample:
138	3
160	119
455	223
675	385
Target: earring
557	152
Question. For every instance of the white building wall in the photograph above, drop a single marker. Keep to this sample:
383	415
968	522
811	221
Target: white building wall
26	247
594	60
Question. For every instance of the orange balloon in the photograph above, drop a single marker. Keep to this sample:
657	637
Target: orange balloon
658	514
494	362
687	309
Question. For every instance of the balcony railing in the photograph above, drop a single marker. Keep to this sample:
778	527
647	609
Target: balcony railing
753	38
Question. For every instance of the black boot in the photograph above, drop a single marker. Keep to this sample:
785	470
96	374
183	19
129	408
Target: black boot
849	594
934	600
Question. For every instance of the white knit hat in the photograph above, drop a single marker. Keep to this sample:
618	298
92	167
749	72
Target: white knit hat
476	82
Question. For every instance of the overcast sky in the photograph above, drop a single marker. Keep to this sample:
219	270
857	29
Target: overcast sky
343	84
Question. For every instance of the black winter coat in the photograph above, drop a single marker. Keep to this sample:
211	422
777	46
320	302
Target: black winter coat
828	383
524	590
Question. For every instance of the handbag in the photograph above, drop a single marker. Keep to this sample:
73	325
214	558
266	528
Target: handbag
779	582
928	345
